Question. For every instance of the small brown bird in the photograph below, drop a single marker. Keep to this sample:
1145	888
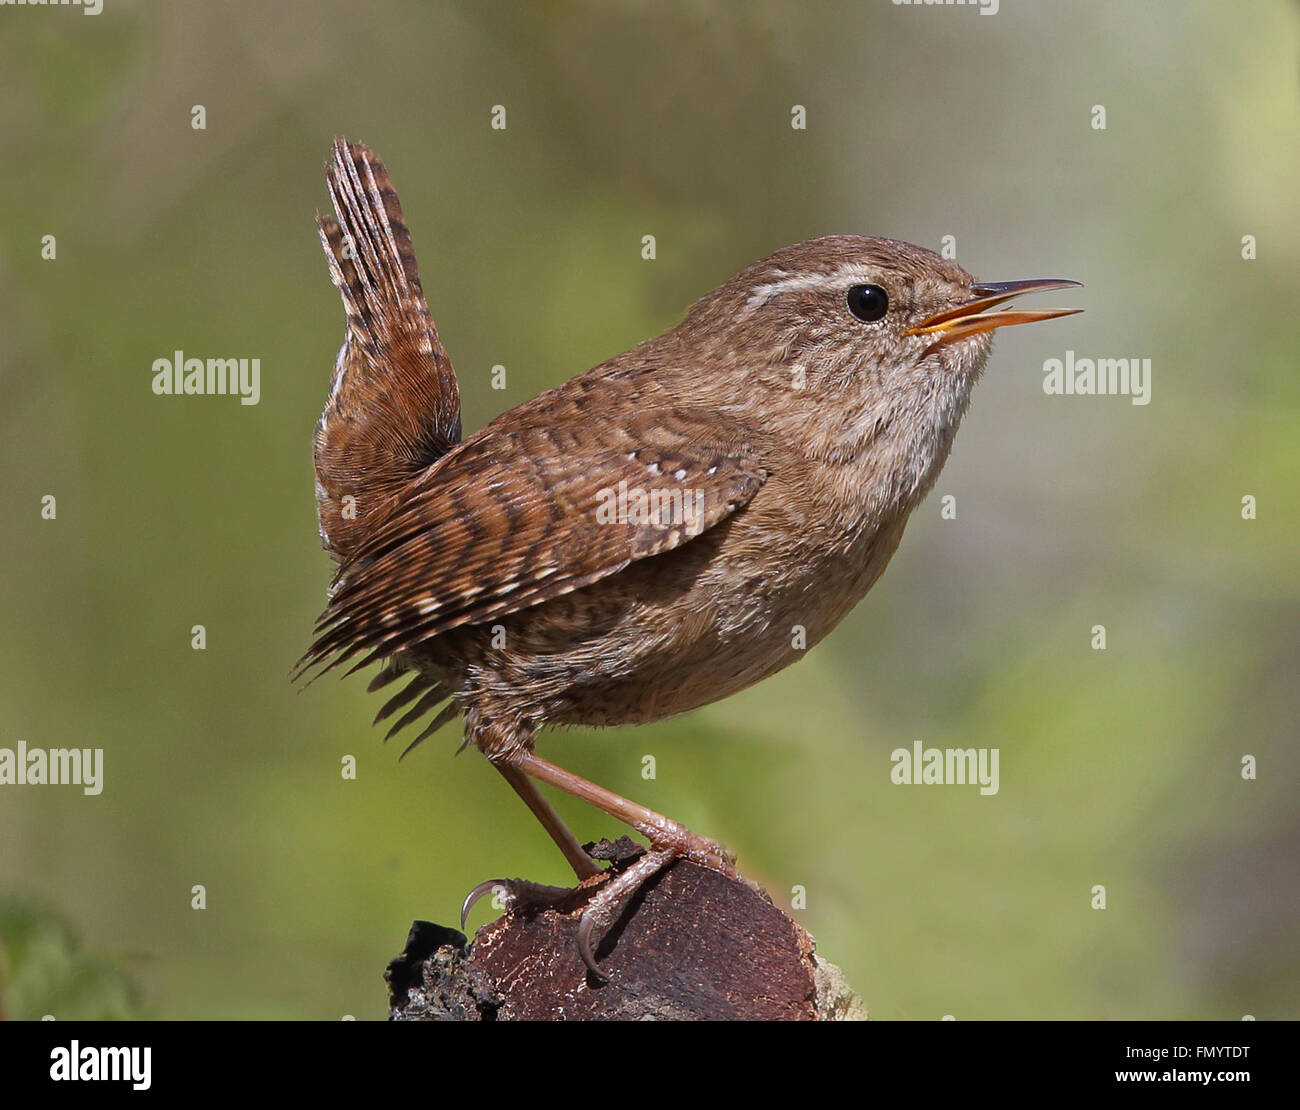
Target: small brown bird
647	537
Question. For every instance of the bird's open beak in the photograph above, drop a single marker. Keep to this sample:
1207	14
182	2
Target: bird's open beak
970	318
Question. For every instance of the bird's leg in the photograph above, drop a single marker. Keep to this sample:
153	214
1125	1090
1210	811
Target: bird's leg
661	831
668	841
581	863
519	891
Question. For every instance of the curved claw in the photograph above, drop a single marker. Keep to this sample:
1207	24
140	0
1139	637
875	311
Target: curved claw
514	893
606	904
610	901
586	926
483	888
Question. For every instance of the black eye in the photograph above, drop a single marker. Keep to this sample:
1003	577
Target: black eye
868	302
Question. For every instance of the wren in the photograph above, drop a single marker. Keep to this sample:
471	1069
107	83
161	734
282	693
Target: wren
645	538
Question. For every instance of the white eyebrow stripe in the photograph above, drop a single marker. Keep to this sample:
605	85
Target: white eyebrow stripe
852	272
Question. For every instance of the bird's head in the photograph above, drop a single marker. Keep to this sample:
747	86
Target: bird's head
856	334
851	309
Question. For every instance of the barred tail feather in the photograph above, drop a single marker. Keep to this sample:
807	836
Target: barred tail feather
394	405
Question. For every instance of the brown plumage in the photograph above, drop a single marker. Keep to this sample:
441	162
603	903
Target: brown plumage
783	433
394	406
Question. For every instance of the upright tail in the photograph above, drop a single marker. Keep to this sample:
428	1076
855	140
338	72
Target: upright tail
394	406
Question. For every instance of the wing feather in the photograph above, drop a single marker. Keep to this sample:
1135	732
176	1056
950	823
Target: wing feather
507	523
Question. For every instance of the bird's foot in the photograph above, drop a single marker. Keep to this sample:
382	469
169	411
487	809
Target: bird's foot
681	842
604	897
514	894
608	903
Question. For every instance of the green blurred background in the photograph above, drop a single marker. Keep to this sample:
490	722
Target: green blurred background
1119	767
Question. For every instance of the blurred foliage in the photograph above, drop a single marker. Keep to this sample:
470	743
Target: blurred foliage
1119	767
44	970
